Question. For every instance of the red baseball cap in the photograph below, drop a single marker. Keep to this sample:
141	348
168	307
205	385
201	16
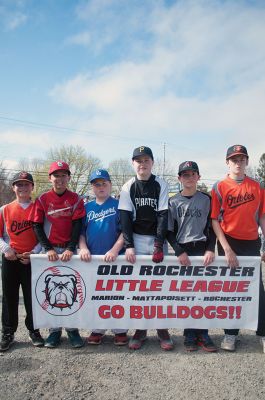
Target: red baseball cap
58	166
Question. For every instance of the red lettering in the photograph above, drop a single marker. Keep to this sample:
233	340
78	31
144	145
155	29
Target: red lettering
136	312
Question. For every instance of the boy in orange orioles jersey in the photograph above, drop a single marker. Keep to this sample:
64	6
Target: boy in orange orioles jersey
17	242
57	222
238	209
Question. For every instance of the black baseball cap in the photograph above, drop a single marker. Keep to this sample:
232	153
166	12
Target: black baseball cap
142	151
22	176
188	166
235	150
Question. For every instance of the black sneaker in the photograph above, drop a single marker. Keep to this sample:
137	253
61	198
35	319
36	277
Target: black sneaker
53	340
190	342
75	339
6	341
36	338
206	343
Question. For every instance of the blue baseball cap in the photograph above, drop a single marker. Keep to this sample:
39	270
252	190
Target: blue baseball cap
99	174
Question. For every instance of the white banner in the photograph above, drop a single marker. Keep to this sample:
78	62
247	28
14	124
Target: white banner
100	295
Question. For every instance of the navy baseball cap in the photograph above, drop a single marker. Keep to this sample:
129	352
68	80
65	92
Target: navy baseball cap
188	166
22	176
142	151
99	174
235	150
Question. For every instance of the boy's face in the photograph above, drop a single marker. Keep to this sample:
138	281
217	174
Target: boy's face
237	165
23	190
189	179
59	180
101	189
143	167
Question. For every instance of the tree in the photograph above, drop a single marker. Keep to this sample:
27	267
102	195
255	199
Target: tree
81	165
261	169
6	192
39	170
120	171
203	187
165	171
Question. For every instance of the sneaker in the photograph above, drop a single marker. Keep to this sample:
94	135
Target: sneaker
121	339
138	339
206	342
229	343
166	343
53	340
6	341
95	338
75	339
36	338
262	342
190	342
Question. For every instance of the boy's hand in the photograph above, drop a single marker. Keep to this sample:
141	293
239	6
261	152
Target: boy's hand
11	255
25	255
66	255
85	255
130	255
208	258
24	261
263	257
231	258
24	258
184	259
110	256
158	255
52	255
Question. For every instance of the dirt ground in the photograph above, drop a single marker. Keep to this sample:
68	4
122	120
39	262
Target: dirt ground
109	373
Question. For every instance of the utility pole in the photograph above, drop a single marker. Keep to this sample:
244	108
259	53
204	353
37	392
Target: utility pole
164	158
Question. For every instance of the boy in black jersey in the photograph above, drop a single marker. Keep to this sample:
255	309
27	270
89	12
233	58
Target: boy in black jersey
144	212
190	234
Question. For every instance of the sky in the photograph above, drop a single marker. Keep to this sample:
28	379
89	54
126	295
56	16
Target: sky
111	75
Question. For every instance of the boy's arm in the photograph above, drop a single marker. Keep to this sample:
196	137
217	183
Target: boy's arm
162	217
71	246
209	254
9	253
44	241
230	255
262	225
84	253
126	218
113	253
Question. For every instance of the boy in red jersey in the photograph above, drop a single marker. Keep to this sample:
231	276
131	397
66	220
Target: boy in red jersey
238	209
57	222
17	242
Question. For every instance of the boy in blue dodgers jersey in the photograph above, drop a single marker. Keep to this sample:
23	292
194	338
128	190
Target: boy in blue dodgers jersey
102	235
190	234
144	212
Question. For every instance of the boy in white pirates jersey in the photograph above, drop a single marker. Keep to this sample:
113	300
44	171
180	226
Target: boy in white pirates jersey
190	234
144	211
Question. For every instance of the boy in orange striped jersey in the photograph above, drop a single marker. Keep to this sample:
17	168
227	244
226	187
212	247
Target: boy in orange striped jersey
238	209
17	242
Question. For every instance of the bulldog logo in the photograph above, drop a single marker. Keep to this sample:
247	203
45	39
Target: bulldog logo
61	290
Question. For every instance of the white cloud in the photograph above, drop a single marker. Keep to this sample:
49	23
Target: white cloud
15	20
199	86
83	39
